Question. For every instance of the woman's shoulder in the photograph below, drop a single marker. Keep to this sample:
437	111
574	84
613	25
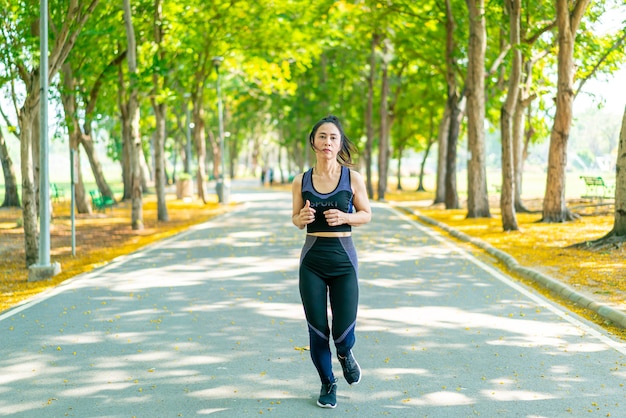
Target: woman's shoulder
355	174
298	178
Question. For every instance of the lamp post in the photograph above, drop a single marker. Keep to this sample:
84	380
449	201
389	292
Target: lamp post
221	187
187	165
43	269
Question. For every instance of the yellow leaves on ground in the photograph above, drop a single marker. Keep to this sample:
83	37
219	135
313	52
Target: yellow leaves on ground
544	247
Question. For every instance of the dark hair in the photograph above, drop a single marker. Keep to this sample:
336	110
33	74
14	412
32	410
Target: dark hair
344	157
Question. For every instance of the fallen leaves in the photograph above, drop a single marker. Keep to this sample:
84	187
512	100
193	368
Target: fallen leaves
99	238
545	247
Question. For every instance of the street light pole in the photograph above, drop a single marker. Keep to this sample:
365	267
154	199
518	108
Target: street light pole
187	165
222	188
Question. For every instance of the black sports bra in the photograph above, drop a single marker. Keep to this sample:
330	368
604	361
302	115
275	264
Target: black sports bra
340	198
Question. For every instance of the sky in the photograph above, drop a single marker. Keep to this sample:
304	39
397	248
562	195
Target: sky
612	90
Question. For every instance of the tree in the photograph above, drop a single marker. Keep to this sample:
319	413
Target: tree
383	143
133	137
11	193
568	21
477	199
159	107
70	106
507	203
521	137
11	196
89	79
617	236
20	41
451	197
369	113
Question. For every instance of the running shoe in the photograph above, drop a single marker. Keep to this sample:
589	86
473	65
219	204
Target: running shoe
328	395
351	369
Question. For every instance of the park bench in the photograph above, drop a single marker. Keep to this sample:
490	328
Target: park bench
100	202
57	194
597	189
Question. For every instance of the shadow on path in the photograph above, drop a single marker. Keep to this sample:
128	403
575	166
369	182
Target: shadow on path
210	323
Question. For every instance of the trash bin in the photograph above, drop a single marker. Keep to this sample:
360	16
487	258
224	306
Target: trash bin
222	189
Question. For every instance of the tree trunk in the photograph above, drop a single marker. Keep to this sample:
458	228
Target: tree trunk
215	154
29	190
126	135
619	227
86	140
200	144
399	168
420	183
72	25
133	113
524	99
35	135
159	163
11	195
507	204
144	167
477	199
369	116
96	168
68	100
617	236
451	197
554	208
159	155
442	141
135	163
383	145
518	156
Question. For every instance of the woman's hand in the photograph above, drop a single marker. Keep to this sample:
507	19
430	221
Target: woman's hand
306	214
335	217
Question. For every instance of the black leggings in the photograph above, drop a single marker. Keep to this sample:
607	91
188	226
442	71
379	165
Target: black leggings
328	268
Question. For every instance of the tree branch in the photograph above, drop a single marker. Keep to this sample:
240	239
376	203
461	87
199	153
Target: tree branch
618	43
91	104
498	61
531	40
577	14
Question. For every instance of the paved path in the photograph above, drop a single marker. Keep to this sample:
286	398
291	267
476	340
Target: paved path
210	323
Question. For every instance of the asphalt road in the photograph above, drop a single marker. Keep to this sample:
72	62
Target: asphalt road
209	323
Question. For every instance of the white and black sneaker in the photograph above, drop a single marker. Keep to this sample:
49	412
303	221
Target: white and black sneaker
328	395
351	369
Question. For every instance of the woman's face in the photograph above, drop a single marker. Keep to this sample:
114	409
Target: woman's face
327	141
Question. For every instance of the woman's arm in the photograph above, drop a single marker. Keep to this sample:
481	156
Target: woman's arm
363	212
360	200
301	214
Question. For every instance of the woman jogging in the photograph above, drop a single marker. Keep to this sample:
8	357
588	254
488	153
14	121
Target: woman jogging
329	199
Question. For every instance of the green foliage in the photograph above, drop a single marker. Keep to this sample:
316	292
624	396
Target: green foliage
288	63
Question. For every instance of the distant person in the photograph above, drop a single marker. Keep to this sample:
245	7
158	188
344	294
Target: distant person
329	199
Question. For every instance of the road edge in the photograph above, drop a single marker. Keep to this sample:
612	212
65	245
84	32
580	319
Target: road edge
609	313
